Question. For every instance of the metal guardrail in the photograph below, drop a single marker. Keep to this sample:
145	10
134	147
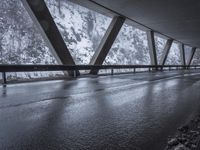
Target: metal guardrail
35	68
30	68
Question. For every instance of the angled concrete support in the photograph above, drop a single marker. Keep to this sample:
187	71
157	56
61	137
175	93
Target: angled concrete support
182	52
107	42
41	16
152	47
191	56
166	51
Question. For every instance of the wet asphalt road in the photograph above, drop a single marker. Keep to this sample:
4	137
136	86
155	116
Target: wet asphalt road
137	112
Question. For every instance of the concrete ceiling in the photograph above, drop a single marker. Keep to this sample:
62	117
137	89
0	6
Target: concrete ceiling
178	19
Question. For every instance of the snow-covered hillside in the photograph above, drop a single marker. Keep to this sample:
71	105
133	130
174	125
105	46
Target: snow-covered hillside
129	48
174	56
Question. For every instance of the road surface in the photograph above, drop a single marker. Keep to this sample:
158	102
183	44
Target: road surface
136	111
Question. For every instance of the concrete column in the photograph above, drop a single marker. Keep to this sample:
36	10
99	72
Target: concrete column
107	42
152	47
41	16
191	56
166	51
182	52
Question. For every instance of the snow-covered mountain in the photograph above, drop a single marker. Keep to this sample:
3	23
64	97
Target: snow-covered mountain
82	30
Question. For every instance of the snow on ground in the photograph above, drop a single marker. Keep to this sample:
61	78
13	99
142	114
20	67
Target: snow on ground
187	137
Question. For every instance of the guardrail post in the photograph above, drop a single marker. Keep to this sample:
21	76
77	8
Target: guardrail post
4	78
134	70
75	75
112	71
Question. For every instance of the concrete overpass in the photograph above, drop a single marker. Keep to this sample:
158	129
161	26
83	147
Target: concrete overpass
128	111
177	19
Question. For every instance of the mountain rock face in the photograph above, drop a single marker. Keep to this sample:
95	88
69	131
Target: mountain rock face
82	30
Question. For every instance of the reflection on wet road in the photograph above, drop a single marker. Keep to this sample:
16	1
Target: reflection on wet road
137	111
